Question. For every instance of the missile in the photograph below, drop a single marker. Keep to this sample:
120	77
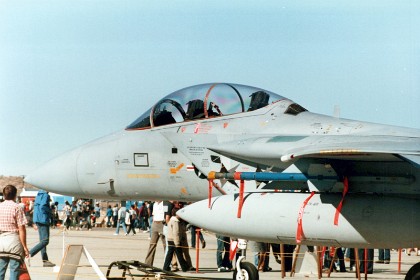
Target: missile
363	221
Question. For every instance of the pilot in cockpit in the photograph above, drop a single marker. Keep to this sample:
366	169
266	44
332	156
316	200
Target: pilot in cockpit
163	117
259	99
195	109
212	113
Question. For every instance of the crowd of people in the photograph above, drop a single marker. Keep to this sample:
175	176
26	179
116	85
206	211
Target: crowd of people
76	214
136	216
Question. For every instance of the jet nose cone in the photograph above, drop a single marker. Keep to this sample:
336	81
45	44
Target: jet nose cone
58	175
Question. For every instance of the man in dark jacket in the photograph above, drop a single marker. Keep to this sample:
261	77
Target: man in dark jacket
41	219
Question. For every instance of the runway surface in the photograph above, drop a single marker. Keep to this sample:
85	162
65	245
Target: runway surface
106	248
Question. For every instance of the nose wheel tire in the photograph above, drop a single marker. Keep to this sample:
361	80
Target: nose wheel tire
413	273
248	271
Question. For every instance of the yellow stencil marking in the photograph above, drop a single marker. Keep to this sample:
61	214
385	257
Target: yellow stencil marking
340	151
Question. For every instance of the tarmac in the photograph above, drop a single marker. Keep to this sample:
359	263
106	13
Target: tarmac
105	248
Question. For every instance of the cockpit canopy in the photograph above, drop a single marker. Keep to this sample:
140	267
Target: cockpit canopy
205	101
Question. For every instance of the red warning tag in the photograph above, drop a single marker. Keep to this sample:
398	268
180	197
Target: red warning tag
340	205
299	232
233	249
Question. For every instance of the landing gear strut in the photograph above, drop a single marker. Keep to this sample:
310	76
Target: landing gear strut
244	270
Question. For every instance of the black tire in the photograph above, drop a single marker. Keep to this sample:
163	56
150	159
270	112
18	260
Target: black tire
249	270
413	273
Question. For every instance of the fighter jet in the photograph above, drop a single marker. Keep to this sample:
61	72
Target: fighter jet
275	172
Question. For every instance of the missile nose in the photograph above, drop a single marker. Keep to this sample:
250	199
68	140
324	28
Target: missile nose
197	214
58	175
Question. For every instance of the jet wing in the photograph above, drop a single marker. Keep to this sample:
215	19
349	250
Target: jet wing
288	149
282	151
381	164
323	159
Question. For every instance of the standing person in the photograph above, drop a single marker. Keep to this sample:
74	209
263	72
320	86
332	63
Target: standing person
42	214
263	256
97	210
369	260
115	215
92	218
341	261
384	256
193	229
150	213
73	208
145	215
76	214
184	241
288	256
121	220
109	216
27	214
132	216
173	237
137	220
31	212
350	254
67	215
339	264
222	254
156	232
54	214
87	211
167	207
13	234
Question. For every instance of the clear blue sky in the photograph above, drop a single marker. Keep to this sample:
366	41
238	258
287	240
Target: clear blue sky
72	71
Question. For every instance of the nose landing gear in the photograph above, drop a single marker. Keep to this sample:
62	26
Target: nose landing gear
245	271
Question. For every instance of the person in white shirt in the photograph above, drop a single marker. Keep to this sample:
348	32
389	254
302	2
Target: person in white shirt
121	220
132	216
157	231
